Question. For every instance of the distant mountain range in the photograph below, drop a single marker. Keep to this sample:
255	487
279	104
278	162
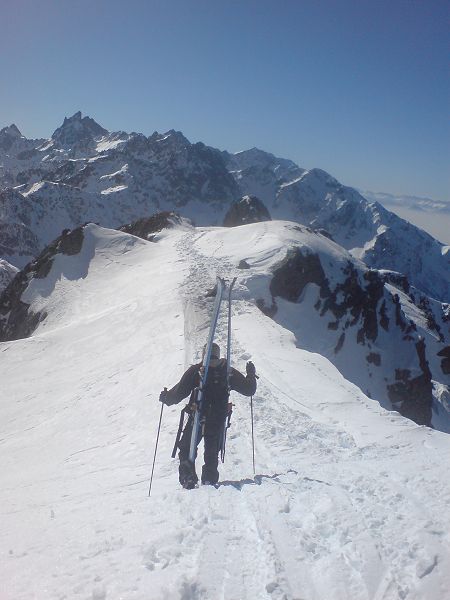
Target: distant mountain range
431	215
85	173
409	202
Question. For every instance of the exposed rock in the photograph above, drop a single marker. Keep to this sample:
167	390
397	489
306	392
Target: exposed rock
8	135
340	343
16	320
147	227
445	362
249	209
374	358
397	279
77	129
360	300
384	319
7	274
294	273
414	396
243	264
324	232
269	311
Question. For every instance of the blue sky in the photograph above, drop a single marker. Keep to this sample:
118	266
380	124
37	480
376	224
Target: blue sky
358	88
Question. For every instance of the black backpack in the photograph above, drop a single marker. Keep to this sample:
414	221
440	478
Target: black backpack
216	387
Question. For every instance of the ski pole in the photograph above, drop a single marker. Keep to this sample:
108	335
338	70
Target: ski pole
156	447
253	437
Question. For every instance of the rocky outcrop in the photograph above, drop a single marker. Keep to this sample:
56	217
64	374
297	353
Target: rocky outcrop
294	273
249	209
78	130
7	274
361	304
445	362
147	227
8	136
414	395
16	319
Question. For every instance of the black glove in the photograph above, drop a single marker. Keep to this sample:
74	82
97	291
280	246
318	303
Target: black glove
163	396
250	368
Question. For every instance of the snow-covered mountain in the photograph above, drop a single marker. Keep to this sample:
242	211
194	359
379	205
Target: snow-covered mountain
348	500
431	215
366	229
84	173
383	334
418	203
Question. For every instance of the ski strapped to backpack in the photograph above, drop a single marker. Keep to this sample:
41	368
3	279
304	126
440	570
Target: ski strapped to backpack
199	416
227	422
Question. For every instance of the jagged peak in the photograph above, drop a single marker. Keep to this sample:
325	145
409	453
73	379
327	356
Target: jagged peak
253	152
319	174
11	130
255	157
78	129
174	136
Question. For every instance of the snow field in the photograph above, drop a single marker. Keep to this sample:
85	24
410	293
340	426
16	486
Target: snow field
349	502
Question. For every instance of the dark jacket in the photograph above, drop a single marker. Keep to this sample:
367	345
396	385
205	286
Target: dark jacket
191	379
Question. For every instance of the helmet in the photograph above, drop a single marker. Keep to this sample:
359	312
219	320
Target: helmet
215	354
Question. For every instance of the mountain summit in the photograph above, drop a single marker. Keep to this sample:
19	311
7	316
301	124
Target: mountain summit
78	129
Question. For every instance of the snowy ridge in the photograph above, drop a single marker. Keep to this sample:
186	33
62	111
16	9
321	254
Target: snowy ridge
348	500
370	232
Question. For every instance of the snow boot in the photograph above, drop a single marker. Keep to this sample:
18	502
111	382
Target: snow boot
187	475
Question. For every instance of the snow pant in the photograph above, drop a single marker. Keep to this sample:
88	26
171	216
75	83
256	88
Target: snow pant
212	438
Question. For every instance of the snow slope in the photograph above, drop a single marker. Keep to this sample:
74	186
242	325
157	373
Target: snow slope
349	501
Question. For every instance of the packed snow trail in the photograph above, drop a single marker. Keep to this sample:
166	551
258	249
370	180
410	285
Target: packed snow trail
349	502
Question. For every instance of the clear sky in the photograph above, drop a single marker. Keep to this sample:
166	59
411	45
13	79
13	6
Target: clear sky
356	87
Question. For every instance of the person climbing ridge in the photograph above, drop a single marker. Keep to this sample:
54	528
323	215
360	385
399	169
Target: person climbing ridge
215	411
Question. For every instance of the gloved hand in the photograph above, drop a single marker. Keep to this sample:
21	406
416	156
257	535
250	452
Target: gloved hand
250	368
163	396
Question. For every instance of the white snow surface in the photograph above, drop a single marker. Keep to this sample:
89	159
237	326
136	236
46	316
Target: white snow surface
349	501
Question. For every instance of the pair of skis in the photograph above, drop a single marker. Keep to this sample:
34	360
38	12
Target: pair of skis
198	416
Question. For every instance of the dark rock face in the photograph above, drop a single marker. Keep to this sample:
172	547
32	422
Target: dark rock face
414	396
294	273
8	135
324	232
77	129
249	209
269	311
243	264
397	279
360	300
445	362
146	228
374	358
16	320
